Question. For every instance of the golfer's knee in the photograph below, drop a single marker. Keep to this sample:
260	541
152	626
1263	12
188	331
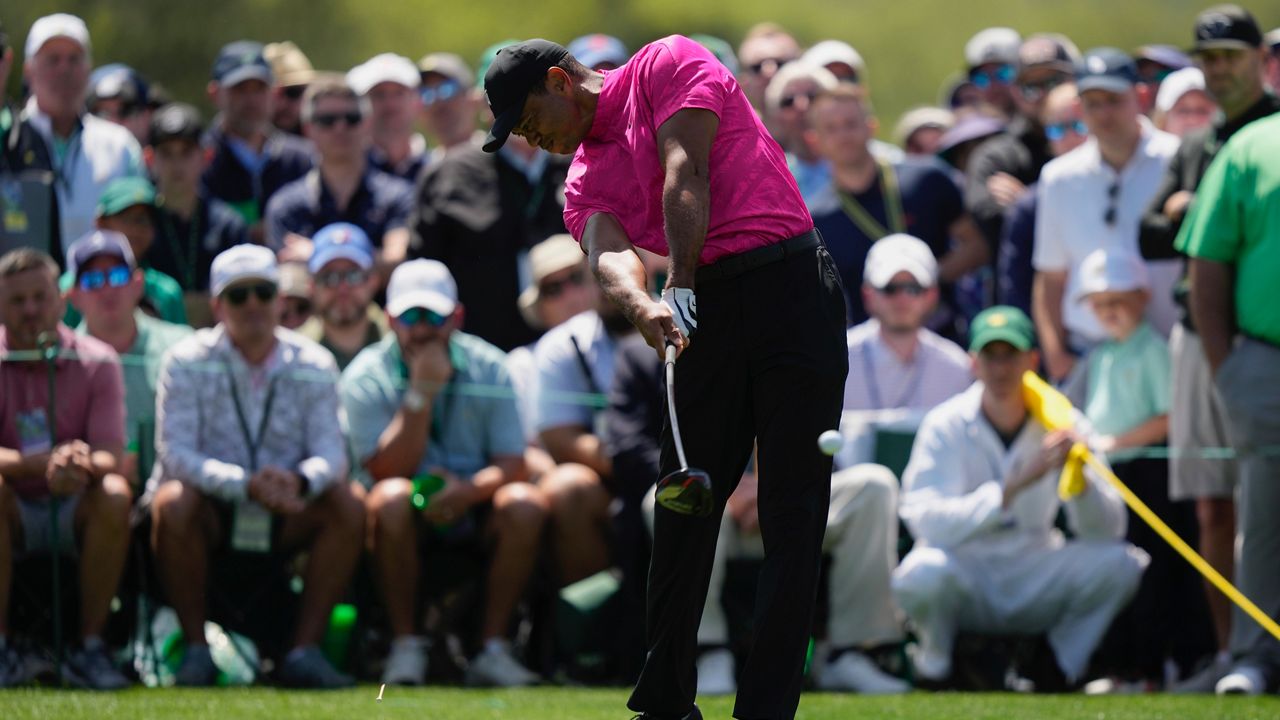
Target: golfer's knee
575	491
520	507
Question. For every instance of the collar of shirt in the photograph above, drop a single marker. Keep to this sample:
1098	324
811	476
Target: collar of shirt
66	348
44	124
531	168
607	109
1140	153
417	148
251	159
1266	105
322	198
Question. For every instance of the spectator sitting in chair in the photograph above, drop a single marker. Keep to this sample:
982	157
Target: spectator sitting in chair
980	497
252	459
108	287
419	408
75	462
345	319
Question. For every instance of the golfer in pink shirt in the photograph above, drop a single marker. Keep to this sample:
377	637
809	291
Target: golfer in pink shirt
670	157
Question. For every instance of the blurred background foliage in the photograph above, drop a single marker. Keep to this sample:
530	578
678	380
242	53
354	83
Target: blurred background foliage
911	46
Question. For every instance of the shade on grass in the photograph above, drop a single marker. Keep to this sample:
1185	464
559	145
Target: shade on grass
575	704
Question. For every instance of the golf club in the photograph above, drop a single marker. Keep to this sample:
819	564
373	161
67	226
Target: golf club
688	490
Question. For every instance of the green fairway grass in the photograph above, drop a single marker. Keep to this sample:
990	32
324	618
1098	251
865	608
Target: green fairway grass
575	704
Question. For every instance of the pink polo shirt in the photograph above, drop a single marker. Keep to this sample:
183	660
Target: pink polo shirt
89	390
754	199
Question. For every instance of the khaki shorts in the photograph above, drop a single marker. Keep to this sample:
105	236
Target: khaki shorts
36	528
1197	420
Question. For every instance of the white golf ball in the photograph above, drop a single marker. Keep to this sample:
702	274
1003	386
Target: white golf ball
830	442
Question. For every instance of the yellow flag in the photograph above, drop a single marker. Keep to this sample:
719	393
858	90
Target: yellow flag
1053	410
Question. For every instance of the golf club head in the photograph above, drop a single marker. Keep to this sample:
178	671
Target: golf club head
686	491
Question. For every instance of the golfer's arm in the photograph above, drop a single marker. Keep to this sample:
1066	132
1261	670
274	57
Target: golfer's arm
684	147
401	445
1046	308
572	443
1153	431
615	263
15	466
1212	308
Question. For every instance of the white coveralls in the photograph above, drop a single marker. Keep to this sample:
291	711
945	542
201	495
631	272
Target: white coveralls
978	568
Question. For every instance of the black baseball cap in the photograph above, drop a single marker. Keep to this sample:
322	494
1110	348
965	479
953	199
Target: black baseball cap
1107	69
1226	26
176	121
239	61
515	70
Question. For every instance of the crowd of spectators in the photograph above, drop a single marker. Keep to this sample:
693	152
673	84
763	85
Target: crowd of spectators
325	328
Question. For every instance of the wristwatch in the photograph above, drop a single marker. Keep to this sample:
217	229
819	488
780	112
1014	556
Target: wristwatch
414	400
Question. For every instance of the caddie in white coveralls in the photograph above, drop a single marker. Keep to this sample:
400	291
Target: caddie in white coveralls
980	497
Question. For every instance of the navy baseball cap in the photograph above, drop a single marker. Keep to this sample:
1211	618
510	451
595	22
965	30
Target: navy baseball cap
239	61
515	70
99	242
1226	26
340	241
176	121
1107	69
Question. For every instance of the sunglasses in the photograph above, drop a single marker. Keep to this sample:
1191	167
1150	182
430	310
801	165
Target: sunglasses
1033	91
118	276
790	101
910	288
1113	194
328	120
296	307
294	92
237	296
1057	131
554	288
774	64
334	278
986	78
417	315
444	91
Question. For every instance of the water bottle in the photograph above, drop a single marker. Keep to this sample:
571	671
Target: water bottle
424	486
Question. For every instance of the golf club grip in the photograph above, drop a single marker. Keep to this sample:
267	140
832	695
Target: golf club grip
671	405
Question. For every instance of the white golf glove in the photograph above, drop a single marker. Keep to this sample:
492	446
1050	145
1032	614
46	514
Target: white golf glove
684	309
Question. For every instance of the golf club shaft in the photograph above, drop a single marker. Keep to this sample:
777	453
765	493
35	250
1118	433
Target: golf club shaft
671	404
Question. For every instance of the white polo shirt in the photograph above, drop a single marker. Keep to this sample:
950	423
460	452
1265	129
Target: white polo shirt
1072	199
97	152
574	361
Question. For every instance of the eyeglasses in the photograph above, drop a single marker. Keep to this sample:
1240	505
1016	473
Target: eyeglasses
334	278
1113	194
1033	91
417	315
239	295
294	92
328	120
295	308
791	100
1057	131
554	288
984	79
444	91
118	276
773	64
910	288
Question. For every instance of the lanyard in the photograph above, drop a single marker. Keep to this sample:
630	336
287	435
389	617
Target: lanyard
913	381
185	257
890	196
253	443
439	423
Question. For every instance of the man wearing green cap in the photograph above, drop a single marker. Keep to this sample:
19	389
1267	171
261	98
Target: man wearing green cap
128	205
980	497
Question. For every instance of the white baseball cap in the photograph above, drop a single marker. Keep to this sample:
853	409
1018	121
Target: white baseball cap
1176	84
993	45
897	253
1111	270
422	283
835	51
387	67
55	26
242	262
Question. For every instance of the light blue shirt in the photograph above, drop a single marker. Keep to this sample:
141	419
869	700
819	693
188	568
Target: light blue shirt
1129	382
473	421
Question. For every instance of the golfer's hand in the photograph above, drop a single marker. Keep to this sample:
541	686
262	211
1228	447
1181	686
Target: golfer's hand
1053	453
654	321
450	502
743	504
684	308
278	490
67	472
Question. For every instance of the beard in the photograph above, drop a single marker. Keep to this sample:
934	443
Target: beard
344	314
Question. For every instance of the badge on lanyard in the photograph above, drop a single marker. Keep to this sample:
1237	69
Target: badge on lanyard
33	432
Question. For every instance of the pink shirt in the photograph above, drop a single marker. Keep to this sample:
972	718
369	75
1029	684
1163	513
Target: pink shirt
754	199
89	392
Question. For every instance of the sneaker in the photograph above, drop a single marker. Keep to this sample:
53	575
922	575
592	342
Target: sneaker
92	669
197	668
930	665
495	667
407	663
853	671
1244	680
1116	686
307	668
14	668
1207	679
715	673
